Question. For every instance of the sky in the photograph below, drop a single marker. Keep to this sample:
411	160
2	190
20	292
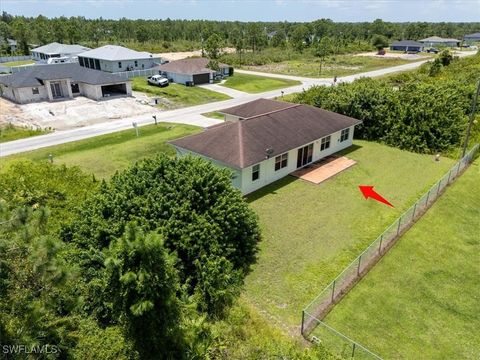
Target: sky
254	10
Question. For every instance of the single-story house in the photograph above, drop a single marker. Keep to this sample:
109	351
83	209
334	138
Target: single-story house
10	43
406	45
193	70
265	140
113	58
62	82
438	41
471	38
57	50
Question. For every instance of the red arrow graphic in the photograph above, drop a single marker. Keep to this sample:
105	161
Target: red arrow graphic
368	192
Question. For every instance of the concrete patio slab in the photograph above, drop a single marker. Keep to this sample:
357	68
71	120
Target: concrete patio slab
324	169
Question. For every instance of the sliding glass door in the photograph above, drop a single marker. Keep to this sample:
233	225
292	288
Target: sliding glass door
305	155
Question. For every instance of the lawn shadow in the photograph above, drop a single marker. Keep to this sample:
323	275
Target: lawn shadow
270	188
348	150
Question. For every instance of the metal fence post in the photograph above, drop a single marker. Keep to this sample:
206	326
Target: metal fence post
428	196
399	223
303	321
438	188
353	350
333	290
449	174
358	267
414	209
380	245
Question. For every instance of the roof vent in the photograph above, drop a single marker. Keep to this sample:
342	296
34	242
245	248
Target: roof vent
268	152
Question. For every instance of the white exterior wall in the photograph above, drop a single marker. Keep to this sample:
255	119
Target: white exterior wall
267	167
112	66
91	91
237	174
178	78
26	95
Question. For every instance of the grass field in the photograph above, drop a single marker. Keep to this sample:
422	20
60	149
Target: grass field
257	84
9	133
103	155
176	96
422	299
342	65
311	232
17	63
214	115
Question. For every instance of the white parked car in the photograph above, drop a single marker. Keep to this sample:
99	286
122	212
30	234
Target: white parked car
158	80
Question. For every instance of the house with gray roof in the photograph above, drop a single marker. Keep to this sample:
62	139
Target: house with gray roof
193	70
438	41
113	58
471	38
53	50
407	45
62	82
265	140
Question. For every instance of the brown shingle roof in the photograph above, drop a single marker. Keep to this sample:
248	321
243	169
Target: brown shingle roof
191	66
243	143
256	107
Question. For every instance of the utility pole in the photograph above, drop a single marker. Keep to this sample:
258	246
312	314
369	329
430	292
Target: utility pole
470	122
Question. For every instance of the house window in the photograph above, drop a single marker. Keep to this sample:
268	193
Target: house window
344	135
35	91
119	64
325	143
255	172
281	161
136	63
80	61
97	64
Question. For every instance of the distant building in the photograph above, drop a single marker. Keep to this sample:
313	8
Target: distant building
438	41
113	58
193	71
11	43
471	38
61	82
406	45
264	140
67	52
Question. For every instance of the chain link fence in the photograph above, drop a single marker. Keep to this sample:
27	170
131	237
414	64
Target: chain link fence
134	73
314	313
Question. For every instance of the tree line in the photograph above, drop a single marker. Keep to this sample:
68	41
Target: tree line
192	33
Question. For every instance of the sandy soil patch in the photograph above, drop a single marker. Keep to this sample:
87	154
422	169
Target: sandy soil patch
394	55
171	56
77	112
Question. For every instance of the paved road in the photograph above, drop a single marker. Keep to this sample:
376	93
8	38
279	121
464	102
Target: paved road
191	115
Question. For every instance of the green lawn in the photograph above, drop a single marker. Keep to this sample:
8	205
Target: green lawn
17	63
311	232
422	300
9	133
257	84
342	65
103	155
214	115
175	95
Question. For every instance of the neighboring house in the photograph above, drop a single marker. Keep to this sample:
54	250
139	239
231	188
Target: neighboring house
66	52
113	58
438	41
192	71
406	45
265	140
471	38
61	82
11	43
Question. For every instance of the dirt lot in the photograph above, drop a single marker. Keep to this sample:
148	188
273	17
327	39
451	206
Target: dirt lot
395	55
171	56
69	114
